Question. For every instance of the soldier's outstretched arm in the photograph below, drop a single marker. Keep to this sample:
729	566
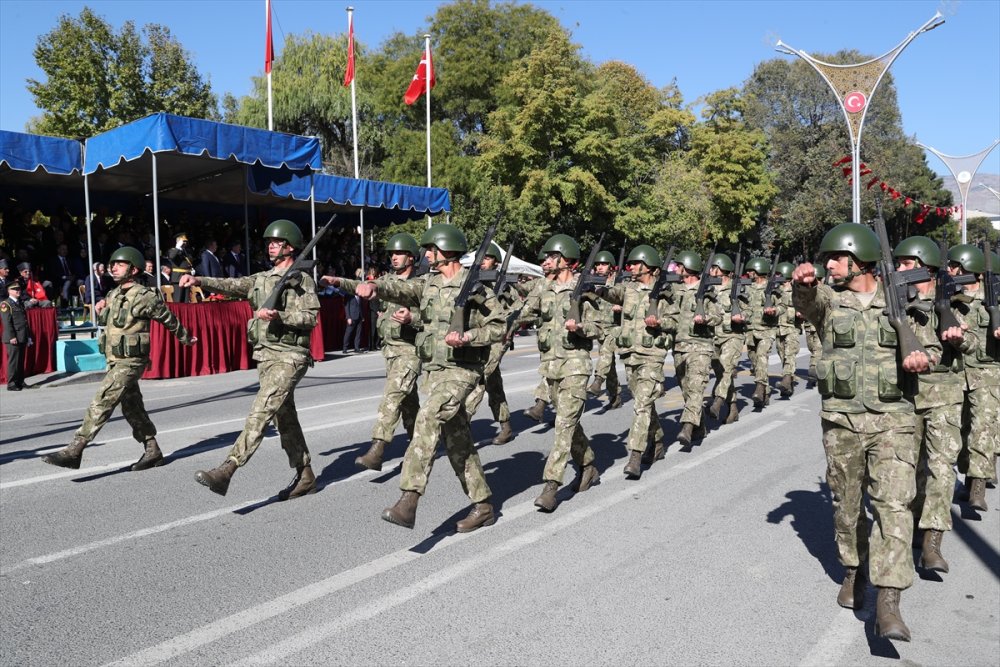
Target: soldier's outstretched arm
809	297
615	295
490	322
401	292
235	287
151	307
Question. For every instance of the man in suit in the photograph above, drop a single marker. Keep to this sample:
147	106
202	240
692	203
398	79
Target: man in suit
63	277
210	267
4	278
234	262
352	312
16	335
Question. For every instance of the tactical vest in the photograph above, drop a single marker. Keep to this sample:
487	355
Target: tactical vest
687	331
125	336
635	336
260	331
437	305
554	342
974	314
757	320
860	370
389	330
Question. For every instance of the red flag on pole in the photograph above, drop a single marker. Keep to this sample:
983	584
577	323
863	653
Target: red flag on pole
269	45
349	73
425	73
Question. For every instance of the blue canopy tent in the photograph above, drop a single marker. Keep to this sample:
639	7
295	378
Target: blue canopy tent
39	172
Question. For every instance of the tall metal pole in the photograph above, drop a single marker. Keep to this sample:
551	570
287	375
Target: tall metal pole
854	86
427	75
963	168
270	107
156	221
91	276
354	131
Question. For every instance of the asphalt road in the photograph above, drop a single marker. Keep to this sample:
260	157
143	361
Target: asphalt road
723	554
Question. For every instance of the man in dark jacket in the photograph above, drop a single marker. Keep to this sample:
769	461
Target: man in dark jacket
352	312
16	335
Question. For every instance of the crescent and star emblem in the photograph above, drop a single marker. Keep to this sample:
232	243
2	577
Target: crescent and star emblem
855	102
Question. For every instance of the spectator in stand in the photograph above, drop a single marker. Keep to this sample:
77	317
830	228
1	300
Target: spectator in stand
209	266
64	281
234	263
148	277
165	273
95	285
352	313
33	292
4	280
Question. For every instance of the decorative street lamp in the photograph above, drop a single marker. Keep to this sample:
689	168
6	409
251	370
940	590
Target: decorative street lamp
991	190
963	168
854	86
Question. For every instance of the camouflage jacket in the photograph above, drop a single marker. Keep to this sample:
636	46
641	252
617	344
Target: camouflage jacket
690	336
982	369
945	384
288	335
727	329
125	322
757	321
567	353
782	297
435	296
636	340
398	340
860	371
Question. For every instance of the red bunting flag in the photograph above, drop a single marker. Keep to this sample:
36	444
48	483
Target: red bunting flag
419	84
349	73
269	43
907	202
871	183
843	160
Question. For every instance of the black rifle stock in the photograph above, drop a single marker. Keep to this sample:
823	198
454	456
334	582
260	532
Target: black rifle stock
584	280
622	273
301	263
897	287
652	310
471	283
704	283
772	281
991	289
947	286
738	288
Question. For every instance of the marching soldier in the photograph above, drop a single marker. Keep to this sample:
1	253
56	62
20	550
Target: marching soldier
398	332
124	314
280	340
642	344
541	392
612	315
694	344
453	364
761	329
813	343
730	337
867	417
565	346
788	329
16	335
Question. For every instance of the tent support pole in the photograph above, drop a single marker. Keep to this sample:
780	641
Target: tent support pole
156	221
246	217
90	249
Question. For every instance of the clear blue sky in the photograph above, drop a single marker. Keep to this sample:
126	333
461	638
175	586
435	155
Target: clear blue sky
948	79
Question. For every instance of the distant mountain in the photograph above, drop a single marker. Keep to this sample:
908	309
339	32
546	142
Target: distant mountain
980	199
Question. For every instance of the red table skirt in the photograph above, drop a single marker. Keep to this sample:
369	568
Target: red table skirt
221	329
40	357
331	316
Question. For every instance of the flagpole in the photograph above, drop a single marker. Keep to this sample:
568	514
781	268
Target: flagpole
427	73
354	130
270	108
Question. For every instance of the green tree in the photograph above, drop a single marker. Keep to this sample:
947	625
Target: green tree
98	79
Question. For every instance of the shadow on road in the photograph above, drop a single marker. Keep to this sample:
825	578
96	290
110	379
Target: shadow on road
218	442
811	515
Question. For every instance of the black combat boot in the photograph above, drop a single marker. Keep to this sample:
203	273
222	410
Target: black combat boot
372	459
69	456
811	378
586	477
633	469
977	493
716	408
546	500
504	435
888	621
686	435
759	396
150	458
537	411
303	483
404	512
595	387
786	386
654	452
930	553
852	589
480	515
217	479
615	401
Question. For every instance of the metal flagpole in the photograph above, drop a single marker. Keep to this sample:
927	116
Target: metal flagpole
354	130
427	88
156	223
854	86
963	168
270	108
90	241
246	218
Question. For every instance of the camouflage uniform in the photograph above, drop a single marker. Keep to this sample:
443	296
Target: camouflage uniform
492	384
981	411
402	367
643	350
281	350
761	333
567	365
125	343
605	369
815	346
450	375
694	345
729	340
869	426
788	328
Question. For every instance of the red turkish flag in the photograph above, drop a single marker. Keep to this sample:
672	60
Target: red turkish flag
425	73
269	43
349	73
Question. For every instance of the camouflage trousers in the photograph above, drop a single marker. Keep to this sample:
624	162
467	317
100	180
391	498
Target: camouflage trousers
980	416
275	400
606	368
569	395
645	381
728	351
814	344
400	397
939	431
878	451
541	392
443	414
120	385
788	350
759	347
492	387
692	368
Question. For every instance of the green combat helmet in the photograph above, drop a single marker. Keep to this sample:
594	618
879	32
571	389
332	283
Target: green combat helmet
852	238
645	254
760	265
724	262
403	242
969	257
820	272
541	255
130	255
922	248
494	252
445	237
690	260
785	269
564	245
604	257
287	231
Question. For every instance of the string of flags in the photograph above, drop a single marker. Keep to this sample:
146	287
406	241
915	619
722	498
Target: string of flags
923	209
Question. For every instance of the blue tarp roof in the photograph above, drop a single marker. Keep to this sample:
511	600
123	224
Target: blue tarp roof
32	152
164	132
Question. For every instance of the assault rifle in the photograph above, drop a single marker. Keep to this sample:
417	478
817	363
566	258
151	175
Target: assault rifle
738	288
471	284
585	280
945	287
622	273
773	280
661	282
704	283
898	287
991	288
301	263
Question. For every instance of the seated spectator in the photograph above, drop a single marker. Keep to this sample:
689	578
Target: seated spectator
234	262
148	277
32	292
209	266
94	285
64	280
4	280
